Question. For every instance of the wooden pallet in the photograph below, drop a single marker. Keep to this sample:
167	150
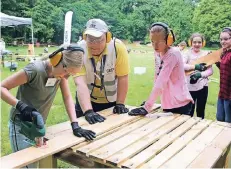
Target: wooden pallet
177	141
166	142
62	138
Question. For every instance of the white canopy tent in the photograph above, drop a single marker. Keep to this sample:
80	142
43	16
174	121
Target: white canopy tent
7	20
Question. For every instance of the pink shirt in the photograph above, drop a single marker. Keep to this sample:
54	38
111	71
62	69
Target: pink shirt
190	56
170	83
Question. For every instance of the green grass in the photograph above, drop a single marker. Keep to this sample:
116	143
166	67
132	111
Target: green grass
139	88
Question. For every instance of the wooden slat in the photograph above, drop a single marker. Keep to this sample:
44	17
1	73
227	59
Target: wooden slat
74	148
55	130
223	124
58	129
110	149
213	152
112	137
104	135
144	142
155	148
59	143
193	149
177	145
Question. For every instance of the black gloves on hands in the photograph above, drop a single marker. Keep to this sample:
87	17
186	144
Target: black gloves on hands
25	111
194	78
138	111
93	117
79	132
120	109
200	67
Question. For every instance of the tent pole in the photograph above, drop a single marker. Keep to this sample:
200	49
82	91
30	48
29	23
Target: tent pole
32	37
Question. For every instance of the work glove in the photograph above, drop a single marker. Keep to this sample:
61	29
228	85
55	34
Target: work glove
79	132
120	109
218	64
200	67
138	111
26	111
194	78
93	117
142	104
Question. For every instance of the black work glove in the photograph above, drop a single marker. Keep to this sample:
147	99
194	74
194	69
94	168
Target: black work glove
194	78
142	104
138	111
93	117
120	109
200	67
218	64
79	132
25	111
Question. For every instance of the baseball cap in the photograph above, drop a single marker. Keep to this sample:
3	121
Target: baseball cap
96	27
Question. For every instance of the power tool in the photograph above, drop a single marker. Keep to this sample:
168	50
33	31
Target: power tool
35	130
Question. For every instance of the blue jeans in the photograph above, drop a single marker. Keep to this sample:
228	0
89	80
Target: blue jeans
224	110
17	141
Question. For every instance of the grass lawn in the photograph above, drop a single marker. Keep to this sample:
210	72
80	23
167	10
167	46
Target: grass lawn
139	88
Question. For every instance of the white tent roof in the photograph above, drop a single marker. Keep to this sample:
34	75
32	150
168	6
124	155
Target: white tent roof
7	20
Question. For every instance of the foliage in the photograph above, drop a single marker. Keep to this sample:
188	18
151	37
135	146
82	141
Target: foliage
128	19
210	17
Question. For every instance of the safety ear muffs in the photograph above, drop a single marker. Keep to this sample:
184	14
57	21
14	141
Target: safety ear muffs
189	42
203	42
56	56
170	39
84	36
108	37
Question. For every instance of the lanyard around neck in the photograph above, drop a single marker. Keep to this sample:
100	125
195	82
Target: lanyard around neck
102	66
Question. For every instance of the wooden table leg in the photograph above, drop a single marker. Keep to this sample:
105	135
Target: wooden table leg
48	162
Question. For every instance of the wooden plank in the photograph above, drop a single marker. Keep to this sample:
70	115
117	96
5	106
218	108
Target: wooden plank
212	153
155	148
193	149
110	138
59	143
176	146
74	148
55	130
58	129
110	149
225	124
209	59
78	146
144	142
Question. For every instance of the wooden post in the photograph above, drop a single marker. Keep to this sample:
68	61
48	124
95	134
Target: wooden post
48	162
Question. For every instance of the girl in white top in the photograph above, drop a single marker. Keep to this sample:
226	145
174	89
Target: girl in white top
198	82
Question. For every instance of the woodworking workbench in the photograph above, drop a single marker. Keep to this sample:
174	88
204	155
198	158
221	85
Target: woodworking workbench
176	141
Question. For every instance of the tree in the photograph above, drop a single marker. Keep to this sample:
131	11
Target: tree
210	17
178	15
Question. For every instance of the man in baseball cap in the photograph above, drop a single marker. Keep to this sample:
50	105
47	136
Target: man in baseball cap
103	80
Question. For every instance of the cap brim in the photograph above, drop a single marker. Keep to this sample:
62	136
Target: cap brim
94	33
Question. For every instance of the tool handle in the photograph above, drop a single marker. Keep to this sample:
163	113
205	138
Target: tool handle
38	119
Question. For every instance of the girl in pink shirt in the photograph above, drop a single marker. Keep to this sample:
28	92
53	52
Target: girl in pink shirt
170	81
198	82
